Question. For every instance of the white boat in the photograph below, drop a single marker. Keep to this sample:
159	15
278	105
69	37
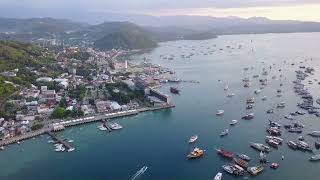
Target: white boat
115	126
224	133
70	141
264	98
60	149
230	95
193	139
218	176
2	148
220	112
71	149
314	133
257	91
234	122
102	128
226	88
315	158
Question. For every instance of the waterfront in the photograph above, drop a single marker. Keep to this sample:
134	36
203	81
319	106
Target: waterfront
159	139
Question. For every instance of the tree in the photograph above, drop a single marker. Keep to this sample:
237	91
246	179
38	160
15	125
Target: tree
59	113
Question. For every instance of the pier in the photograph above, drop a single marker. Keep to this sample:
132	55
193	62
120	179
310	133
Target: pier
59	140
105	124
74	122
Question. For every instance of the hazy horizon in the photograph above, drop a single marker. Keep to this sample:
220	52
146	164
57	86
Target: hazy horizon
303	10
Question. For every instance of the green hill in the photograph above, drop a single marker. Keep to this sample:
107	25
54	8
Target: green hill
125	40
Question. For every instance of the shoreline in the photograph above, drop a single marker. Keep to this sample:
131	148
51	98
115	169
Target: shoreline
81	121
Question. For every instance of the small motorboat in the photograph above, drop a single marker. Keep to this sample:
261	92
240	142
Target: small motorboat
234	122
317	144
224	132
193	139
248	116
220	112
315	157
218	176
274	165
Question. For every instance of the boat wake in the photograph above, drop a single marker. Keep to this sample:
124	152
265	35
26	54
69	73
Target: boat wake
139	173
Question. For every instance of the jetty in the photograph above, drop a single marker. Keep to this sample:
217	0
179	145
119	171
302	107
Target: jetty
59	125
59	140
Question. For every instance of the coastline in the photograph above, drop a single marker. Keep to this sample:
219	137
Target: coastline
84	120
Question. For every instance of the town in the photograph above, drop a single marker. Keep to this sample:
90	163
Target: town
86	85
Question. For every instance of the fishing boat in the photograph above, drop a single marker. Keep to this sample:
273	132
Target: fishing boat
315	157
174	90
241	162
281	105
272	143
224	153
250	100
224	132
260	147
220	112
195	153
244	157
193	139
303	146
275	138
292	145
274	124
234	122
218	176
255	170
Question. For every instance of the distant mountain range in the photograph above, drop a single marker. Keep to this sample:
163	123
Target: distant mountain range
139	31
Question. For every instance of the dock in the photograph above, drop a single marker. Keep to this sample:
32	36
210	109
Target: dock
59	140
106	125
61	125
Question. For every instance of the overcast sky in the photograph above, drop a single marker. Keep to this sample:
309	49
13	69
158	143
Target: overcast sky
274	9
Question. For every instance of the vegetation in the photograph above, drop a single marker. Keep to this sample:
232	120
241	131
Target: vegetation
36	126
125	95
80	55
125	40
77	93
5	89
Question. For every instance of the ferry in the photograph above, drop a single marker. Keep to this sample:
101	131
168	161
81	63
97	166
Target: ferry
196	153
193	139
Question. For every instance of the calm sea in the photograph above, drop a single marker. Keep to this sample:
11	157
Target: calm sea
159	139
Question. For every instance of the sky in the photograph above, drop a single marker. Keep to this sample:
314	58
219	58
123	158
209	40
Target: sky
307	10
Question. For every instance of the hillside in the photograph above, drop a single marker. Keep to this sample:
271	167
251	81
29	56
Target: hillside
125	40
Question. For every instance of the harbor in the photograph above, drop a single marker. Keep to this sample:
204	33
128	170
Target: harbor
159	140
